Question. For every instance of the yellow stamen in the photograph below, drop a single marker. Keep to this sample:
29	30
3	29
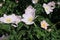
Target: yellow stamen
46	8
44	25
8	20
30	19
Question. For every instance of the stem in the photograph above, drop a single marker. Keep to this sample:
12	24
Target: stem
56	23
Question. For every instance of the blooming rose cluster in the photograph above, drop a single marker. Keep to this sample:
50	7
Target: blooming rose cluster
29	16
49	7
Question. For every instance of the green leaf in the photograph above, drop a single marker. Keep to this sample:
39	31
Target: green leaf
5	27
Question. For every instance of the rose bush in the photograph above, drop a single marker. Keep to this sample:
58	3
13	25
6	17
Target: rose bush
29	19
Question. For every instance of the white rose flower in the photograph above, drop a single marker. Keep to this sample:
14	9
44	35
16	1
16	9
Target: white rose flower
10	19
35	1
47	8
29	15
28	19
44	24
7	19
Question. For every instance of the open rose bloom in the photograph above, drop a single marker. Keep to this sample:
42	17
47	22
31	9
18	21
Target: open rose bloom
29	15
49	7
10	19
44	24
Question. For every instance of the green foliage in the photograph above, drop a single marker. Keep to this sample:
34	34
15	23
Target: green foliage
31	32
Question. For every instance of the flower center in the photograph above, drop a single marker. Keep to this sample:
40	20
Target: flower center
46	8
30	19
8	20
44	25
